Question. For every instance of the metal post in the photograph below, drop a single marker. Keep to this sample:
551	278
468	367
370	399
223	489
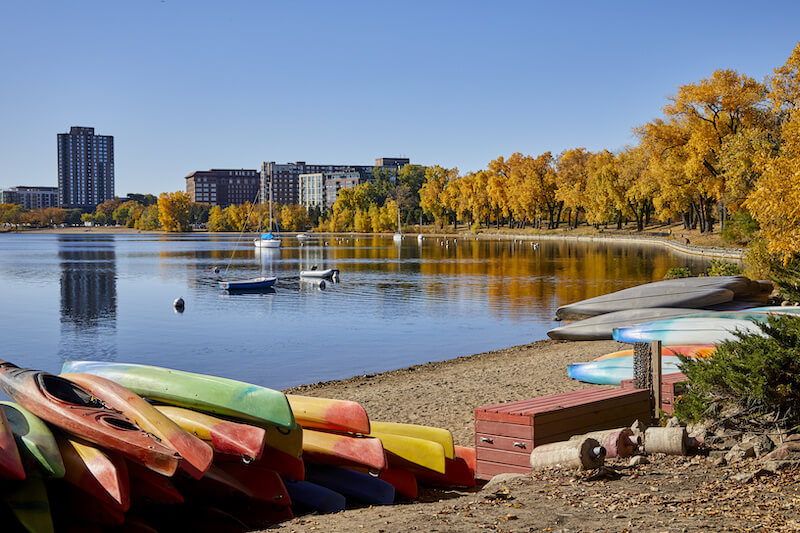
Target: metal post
655	358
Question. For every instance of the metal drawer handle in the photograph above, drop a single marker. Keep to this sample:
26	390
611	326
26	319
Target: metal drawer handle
519	444
487	439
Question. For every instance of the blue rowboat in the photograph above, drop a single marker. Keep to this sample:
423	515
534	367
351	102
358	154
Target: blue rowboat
246	284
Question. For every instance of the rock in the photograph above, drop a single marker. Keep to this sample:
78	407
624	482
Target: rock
725	442
740	452
638	460
762	444
499	479
716	454
793	437
747	477
776	466
720	461
673	422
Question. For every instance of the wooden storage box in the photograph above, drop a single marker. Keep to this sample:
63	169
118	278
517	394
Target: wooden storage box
506	433
672	386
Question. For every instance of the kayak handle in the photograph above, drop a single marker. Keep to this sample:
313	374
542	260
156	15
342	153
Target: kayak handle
487	439
519	444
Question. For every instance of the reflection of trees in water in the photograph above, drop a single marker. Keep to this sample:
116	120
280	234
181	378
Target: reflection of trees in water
88	299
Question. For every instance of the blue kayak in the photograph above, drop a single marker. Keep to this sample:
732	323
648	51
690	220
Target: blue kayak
353	485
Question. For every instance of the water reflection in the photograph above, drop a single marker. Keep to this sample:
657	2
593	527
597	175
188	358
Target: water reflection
88	297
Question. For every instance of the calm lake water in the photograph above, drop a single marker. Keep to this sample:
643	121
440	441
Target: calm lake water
109	297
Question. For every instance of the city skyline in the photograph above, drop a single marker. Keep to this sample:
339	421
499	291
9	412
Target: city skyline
185	86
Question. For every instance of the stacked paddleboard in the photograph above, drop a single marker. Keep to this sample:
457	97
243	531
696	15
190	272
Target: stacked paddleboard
117	443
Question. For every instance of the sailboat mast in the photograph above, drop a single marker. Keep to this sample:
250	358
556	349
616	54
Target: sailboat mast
270	205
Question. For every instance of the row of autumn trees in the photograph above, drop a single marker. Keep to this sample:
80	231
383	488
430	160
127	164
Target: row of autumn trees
726	144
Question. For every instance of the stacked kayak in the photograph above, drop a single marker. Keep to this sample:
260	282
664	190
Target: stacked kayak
113	444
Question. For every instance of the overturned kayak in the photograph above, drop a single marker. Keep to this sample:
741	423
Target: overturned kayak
613	371
695	293
67	405
697	330
33	435
351	484
343	450
196	391
104	476
602	327
230	438
196	454
329	414
689	350
440	435
323	274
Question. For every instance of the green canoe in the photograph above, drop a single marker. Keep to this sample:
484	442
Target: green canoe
35	437
196	391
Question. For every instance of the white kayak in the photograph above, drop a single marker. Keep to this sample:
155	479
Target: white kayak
602	327
324	274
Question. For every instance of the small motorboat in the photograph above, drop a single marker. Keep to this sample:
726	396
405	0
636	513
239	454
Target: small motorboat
324	274
301	236
246	284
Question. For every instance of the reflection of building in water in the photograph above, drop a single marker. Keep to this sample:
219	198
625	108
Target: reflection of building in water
88	299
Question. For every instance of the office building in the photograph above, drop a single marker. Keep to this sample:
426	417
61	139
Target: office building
223	187
30	197
85	168
321	189
285	178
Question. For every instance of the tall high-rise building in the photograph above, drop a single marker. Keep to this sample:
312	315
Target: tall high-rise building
85	168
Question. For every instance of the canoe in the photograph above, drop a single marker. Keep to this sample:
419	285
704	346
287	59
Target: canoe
601	327
196	455
65	404
245	284
232	438
325	274
688	331
29	503
440	435
310	497
10	461
329	414
401	451
351	484
342	450
693	293
264	484
149	488
288	441
210	394
613	371
103	476
33	435
689	350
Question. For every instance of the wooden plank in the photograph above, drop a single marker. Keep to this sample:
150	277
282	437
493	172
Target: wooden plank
486	470
505	430
534	406
503	457
496	442
495	416
631	398
556	408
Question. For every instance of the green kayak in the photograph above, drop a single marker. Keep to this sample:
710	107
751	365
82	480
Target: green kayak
34	437
28	501
211	394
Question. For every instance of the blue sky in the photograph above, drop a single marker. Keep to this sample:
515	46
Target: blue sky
185	85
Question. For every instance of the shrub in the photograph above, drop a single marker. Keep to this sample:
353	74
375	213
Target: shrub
787	279
720	267
758	374
758	262
678	272
740	227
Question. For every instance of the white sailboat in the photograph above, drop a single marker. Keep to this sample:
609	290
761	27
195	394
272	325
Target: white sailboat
398	236
268	240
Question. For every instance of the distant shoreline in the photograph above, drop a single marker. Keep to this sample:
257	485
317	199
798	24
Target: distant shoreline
733	253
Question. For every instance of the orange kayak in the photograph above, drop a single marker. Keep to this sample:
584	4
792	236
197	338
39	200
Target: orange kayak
10	461
343	450
689	350
196	454
105	477
65	404
403	481
458	472
329	414
231	438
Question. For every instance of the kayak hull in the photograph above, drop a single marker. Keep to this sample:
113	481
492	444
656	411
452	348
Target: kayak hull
34	436
329	414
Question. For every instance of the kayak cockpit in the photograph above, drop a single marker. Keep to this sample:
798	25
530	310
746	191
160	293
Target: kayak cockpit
66	391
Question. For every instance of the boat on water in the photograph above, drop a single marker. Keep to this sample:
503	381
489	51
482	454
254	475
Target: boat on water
248	284
268	239
323	274
398	235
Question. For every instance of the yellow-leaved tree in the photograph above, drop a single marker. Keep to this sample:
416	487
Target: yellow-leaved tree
174	211
431	194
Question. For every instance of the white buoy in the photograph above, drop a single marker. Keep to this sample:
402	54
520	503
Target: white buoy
584	454
216	270
671	441
178	304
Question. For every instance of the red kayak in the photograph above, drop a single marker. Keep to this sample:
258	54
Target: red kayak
10	461
149	488
70	407
196	454
101	475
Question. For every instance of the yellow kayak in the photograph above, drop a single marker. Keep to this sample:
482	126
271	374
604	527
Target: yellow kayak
419	452
288	441
442	436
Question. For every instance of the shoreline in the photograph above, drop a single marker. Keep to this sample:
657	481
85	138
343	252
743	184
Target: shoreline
644	239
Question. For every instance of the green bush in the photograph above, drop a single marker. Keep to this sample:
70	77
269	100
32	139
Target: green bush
740	228
787	279
678	272
720	267
758	262
758	374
